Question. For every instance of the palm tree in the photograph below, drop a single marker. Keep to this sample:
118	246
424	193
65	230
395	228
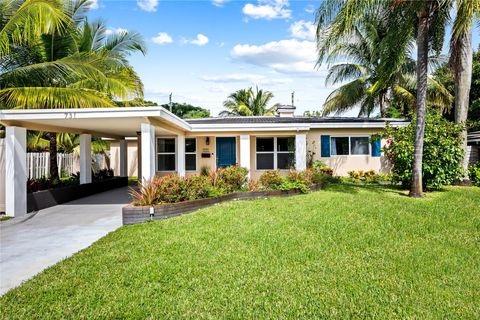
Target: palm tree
369	88
246	102
423	19
461	55
69	67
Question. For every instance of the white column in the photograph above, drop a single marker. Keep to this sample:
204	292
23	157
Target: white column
300	152
245	152
16	171
181	155
148	151
123	153
85	158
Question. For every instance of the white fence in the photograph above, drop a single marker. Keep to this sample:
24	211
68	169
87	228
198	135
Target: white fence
38	164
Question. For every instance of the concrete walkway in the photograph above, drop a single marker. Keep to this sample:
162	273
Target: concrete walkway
27	246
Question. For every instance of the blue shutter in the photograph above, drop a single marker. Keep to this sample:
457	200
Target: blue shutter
376	148
325	146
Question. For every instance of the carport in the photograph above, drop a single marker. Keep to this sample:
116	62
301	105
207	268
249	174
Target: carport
114	123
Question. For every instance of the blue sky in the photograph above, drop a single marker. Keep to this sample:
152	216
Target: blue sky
203	50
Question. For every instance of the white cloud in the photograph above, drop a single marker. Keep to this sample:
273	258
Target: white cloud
286	56
268	9
162	38
310	8
115	30
219	3
303	30
148	5
93	4
201	40
246	77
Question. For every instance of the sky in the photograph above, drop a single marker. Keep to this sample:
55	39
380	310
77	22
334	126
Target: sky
201	51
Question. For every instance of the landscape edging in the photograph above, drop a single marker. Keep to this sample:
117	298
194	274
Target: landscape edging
134	215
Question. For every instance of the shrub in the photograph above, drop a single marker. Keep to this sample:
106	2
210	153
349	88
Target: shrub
103	174
147	194
197	187
271	179
253	185
234	177
304	177
442	152
294	185
317	164
474	174
170	188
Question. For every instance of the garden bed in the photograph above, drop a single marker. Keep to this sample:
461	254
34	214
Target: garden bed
48	198
138	214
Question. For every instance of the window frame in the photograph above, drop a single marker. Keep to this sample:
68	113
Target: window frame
275	152
350	145
195	153
166	153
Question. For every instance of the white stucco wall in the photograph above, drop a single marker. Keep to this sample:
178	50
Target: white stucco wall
132	157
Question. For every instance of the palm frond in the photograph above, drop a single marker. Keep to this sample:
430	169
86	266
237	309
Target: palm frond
52	98
346	97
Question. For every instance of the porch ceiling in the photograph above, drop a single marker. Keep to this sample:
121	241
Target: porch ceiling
104	122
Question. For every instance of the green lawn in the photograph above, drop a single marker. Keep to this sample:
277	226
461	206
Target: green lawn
346	252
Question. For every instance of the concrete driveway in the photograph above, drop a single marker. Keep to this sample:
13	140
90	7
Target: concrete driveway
33	244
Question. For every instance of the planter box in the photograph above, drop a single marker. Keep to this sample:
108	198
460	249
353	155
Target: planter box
51	197
133	215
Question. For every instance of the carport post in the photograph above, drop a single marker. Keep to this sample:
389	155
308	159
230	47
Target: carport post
123	158
245	152
148	151
15	171
300	152
181	155
85	158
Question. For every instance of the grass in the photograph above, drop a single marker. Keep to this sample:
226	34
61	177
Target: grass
4	218
346	252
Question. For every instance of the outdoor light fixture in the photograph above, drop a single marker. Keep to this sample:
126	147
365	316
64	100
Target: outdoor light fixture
207	141
152	212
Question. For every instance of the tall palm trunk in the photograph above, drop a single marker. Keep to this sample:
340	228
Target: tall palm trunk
53	156
416	189
461	64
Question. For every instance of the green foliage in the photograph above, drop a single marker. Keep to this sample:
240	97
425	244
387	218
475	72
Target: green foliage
346	252
198	187
474	174
187	111
442	152
271	179
369	176
233	177
294	185
246	102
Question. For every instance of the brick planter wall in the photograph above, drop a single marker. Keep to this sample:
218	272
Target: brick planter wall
133	215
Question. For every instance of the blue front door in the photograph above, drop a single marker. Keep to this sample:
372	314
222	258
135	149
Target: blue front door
226	152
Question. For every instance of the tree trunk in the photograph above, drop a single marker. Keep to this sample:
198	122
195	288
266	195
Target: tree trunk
53	156
416	189
382	105
461	63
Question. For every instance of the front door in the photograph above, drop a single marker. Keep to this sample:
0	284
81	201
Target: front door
226	152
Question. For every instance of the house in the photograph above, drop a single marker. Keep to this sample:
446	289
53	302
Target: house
157	142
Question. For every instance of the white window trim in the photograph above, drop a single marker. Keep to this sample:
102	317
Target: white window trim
195	153
275	152
349	146
165	153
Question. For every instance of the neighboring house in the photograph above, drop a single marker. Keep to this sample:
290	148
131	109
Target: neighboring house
158	142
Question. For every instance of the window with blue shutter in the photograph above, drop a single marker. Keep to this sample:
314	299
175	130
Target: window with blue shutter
325	146
376	148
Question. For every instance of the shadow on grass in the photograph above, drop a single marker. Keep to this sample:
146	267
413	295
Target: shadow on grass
353	188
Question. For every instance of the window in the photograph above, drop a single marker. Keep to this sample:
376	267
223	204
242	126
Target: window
166	154
275	153
191	154
285	152
359	145
265	152
344	146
